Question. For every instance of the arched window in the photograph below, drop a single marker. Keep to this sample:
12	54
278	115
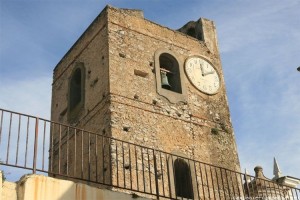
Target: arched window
76	91
169	73
183	179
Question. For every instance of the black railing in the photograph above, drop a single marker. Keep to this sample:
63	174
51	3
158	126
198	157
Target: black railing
67	152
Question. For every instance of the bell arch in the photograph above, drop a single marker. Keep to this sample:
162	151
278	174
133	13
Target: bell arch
169	75
169	72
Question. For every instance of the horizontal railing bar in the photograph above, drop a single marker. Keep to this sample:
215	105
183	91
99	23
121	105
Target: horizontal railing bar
18	113
17	166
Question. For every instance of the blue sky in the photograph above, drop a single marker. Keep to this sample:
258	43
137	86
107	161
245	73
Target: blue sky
260	51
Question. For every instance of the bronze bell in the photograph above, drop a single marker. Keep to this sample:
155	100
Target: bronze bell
164	80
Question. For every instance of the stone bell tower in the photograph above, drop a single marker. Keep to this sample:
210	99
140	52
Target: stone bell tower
137	81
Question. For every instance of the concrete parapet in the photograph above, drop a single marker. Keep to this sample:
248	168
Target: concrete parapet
37	187
8	190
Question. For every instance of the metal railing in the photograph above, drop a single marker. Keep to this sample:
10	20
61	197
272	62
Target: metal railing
62	151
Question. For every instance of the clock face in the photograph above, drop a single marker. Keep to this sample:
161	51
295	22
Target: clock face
202	75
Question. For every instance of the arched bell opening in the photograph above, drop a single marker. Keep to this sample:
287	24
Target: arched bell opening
169	73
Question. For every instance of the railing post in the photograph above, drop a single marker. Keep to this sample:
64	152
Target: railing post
247	186
35	144
156	177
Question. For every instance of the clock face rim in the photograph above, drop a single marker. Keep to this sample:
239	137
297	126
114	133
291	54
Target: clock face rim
192	82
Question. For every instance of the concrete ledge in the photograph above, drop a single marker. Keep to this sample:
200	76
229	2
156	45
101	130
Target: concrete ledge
8	190
37	187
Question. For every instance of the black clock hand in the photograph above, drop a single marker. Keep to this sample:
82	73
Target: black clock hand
202	70
207	73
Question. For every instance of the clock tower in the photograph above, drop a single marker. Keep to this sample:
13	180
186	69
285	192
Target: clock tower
134	80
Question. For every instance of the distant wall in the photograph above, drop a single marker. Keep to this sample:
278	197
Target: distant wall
37	187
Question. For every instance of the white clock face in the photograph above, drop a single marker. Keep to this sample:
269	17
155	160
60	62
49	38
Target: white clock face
202	75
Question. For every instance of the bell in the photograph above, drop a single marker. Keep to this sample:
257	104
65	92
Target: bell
164	80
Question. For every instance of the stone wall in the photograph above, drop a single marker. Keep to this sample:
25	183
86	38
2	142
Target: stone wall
184	126
91	50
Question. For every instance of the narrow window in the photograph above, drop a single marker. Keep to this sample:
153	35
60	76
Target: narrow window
169	73
183	180
75	89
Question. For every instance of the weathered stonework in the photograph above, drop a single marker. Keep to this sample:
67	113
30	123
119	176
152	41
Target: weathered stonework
121	98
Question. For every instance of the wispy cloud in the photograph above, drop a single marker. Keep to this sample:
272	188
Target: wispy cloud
251	22
259	42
